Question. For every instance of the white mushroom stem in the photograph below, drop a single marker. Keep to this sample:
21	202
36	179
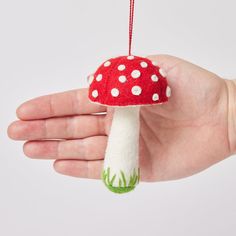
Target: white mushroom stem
122	153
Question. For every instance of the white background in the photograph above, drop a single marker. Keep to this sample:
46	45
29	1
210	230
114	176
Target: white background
52	45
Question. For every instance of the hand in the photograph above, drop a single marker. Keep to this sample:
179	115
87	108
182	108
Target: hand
177	139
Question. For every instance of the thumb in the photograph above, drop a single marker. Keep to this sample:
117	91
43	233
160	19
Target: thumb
166	62
170	65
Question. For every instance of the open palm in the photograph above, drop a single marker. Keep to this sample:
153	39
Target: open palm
177	139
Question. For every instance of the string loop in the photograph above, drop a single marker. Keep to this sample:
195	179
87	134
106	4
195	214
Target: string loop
131	20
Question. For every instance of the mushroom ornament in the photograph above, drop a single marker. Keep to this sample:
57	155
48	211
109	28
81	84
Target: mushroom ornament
126	83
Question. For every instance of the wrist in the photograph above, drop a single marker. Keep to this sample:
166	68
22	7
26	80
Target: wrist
231	93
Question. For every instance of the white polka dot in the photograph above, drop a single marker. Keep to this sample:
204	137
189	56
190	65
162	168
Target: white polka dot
154	78
95	93
136	90
162	72
130	57
155	97
168	92
99	77
154	63
90	79
135	74
144	64
121	67
107	63
122	78
115	92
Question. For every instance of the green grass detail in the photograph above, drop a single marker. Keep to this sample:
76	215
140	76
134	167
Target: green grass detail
120	183
123	178
122	188
133	179
112	180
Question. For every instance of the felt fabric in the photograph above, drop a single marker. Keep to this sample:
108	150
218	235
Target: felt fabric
128	81
121	163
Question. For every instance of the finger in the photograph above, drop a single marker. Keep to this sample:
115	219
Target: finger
79	169
92	148
61	104
58	128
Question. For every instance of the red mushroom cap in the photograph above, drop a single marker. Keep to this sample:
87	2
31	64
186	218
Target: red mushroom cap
128	81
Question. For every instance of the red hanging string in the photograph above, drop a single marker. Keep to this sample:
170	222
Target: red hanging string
131	20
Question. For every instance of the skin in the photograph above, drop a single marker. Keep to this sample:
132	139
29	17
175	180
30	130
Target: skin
190	133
